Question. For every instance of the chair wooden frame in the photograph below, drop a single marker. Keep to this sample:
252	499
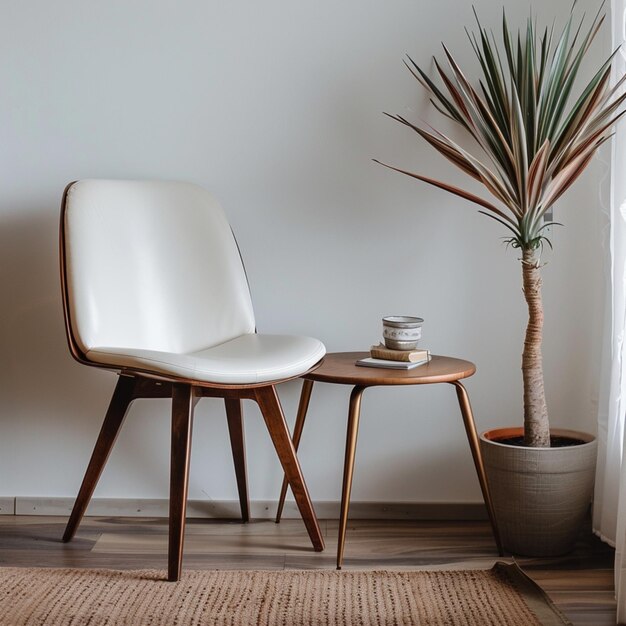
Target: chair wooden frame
134	384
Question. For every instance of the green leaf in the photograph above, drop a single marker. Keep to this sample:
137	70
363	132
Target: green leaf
532	129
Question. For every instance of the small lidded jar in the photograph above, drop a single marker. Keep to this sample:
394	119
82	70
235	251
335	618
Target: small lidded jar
402	332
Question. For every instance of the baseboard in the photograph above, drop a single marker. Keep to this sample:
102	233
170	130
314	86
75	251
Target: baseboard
7	506
259	509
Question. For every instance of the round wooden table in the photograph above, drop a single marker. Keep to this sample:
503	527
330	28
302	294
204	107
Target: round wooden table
339	368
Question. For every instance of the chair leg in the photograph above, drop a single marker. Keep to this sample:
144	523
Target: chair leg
237	443
305	397
182	419
269	404
118	407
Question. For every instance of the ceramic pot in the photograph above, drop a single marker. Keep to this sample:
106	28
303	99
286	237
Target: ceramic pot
540	495
402	332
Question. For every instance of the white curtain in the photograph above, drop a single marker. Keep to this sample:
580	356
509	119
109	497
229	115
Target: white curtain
609	517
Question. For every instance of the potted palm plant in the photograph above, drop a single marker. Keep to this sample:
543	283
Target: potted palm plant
530	134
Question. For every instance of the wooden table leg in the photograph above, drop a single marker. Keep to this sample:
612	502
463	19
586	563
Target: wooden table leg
303	407
472	436
354	414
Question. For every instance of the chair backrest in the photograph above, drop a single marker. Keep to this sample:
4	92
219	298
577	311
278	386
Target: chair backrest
150	265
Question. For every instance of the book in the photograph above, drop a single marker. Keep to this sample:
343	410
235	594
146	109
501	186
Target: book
412	356
396	365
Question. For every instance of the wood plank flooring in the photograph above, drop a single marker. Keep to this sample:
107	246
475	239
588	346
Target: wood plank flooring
581	583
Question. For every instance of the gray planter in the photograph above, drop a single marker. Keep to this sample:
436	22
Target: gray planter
540	495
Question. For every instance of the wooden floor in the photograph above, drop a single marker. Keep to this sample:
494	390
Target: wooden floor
581	583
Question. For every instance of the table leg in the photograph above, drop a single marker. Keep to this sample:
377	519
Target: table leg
305	396
472	436
354	414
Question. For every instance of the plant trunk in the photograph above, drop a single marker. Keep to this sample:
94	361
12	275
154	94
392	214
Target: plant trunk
536	426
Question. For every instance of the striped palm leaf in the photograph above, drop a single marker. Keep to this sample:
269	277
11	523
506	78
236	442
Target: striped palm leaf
533	132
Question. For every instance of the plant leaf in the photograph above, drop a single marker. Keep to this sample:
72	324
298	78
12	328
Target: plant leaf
452	189
532	133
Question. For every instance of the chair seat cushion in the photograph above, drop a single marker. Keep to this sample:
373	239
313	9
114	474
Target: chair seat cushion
244	360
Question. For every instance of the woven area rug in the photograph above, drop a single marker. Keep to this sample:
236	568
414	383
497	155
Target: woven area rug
503	596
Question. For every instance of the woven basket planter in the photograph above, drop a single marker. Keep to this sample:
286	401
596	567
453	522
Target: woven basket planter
540	495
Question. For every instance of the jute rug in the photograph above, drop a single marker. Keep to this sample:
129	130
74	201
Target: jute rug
503	596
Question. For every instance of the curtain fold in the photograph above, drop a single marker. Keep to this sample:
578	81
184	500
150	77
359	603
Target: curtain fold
609	516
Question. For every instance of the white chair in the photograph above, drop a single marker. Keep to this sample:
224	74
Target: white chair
154	288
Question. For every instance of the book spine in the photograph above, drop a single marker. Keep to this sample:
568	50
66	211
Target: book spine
406	356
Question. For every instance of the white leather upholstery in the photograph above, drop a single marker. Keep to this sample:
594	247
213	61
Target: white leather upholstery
246	359
155	281
152	265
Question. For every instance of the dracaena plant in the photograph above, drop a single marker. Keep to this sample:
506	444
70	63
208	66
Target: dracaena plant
533	131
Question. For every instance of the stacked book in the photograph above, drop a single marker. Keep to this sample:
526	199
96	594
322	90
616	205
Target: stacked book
381	356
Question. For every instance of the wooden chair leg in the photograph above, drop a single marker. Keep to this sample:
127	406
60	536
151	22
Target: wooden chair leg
113	420
269	404
182	418
305	396
237	443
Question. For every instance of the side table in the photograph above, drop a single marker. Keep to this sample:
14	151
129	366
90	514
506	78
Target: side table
339	368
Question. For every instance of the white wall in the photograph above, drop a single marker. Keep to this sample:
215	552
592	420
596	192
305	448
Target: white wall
276	108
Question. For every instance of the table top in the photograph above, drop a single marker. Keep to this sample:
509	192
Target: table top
340	368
